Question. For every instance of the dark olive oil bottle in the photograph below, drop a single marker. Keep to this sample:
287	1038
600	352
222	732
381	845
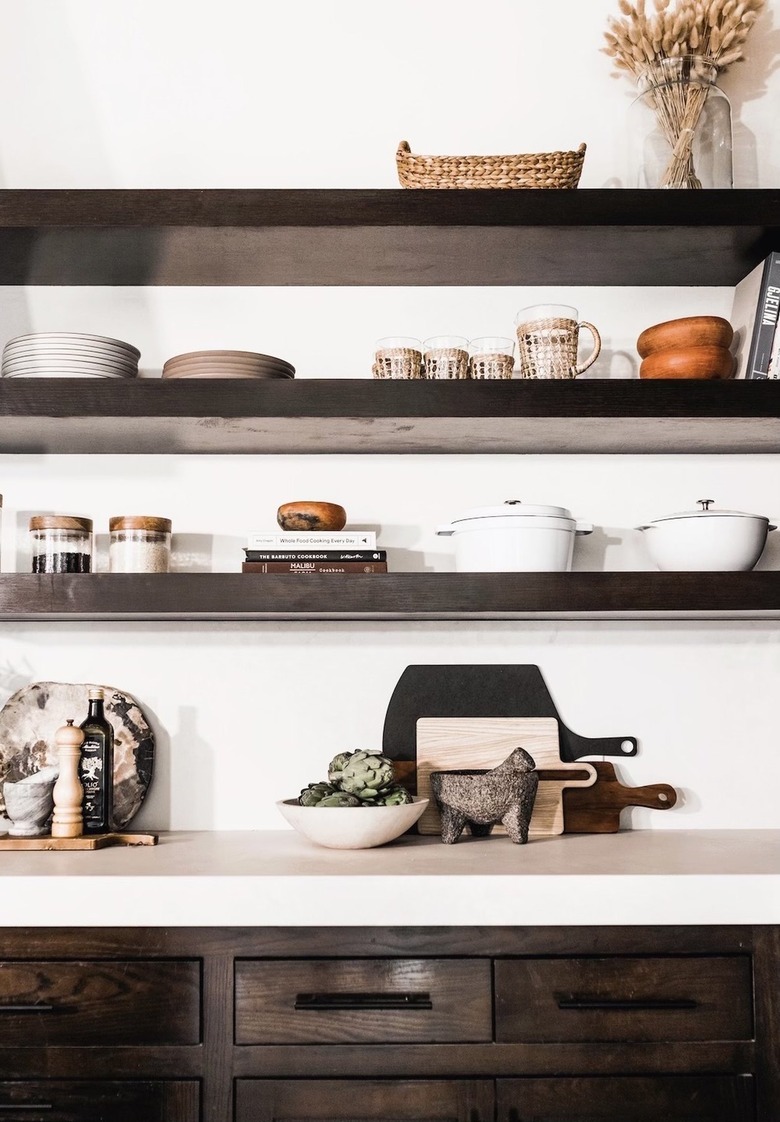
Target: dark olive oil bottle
96	768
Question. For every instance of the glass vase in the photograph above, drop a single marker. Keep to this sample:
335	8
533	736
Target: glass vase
680	126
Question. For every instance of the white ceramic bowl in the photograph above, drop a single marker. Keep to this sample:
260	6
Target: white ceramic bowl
351	827
707	540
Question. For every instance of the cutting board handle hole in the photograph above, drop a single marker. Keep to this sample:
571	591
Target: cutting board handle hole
662	798
626	746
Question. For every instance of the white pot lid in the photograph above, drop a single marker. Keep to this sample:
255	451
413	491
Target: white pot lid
514	508
705	512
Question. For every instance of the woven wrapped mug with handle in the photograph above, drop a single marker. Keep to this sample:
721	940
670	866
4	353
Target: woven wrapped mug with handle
547	341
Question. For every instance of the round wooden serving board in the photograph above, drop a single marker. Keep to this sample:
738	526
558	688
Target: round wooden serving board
31	717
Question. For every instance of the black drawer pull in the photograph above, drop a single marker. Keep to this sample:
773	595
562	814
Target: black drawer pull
30	1009
639	1004
339	1001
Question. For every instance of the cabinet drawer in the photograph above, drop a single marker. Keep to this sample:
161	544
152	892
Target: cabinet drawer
99	1101
379	1000
625	999
375	1100
130	1002
628	1098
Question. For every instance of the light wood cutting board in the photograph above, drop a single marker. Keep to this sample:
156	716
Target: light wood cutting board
449	743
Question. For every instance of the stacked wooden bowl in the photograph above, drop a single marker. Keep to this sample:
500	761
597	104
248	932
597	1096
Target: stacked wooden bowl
692	347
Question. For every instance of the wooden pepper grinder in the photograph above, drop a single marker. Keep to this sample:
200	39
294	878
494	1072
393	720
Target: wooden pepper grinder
67	821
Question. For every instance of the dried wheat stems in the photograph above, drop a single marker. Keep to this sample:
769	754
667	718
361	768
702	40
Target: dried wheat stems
676	51
715	29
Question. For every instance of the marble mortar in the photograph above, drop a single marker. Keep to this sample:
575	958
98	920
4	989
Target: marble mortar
29	803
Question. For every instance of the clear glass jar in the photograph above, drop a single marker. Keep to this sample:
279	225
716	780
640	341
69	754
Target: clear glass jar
139	543
61	543
680	126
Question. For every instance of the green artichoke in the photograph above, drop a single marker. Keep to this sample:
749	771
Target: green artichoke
368	776
315	793
396	796
337	765
339	799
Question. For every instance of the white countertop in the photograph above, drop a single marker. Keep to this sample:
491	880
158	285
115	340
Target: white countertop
277	878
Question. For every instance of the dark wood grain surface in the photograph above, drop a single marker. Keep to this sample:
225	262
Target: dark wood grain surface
79	1100
365	237
701	1098
624	999
361	1100
458	993
90	1002
365	415
434	1081
389	596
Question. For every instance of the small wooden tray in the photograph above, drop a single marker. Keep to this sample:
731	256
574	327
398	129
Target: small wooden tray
86	841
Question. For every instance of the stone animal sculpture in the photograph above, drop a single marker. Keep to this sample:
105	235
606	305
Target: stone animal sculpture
480	799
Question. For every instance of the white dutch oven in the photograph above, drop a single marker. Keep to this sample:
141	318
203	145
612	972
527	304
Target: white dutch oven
707	540
514	538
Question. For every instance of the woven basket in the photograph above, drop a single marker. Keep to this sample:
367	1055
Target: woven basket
535	169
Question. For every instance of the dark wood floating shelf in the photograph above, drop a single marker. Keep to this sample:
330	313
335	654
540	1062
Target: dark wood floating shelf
362	415
391	596
384	237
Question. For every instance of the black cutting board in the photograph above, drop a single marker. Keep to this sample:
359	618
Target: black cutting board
482	691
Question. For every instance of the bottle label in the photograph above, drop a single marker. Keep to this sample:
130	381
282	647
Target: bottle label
92	780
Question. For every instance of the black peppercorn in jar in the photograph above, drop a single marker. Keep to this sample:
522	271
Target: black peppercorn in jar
61	543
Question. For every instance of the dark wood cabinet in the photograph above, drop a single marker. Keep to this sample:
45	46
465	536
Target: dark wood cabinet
59	1100
674	1098
379	1100
477	1024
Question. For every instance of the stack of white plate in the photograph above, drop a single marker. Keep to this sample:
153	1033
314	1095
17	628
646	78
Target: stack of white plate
226	364
69	354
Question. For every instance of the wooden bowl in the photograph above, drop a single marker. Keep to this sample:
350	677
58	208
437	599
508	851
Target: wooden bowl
688	362
691	331
311	516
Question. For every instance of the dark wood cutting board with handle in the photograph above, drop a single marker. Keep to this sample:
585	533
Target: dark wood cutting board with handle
596	809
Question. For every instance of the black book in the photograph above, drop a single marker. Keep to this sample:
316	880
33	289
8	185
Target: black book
755	315
318	555
308	568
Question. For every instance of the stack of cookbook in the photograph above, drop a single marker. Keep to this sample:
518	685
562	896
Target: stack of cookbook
320	551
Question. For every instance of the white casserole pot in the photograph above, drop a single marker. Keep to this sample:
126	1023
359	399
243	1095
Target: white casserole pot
514	538
707	540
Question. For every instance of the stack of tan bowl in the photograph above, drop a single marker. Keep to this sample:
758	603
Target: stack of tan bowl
693	347
227	364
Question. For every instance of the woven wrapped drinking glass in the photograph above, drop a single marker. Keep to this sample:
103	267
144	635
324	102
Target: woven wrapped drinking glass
534	169
491	366
446	362
548	348
397	362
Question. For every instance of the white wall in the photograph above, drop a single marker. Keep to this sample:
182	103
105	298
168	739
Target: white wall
309	94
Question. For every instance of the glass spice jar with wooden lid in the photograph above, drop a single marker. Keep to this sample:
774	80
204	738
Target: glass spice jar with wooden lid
61	543
139	543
